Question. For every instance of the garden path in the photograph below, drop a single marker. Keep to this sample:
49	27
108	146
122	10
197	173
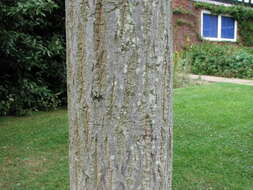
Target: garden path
222	79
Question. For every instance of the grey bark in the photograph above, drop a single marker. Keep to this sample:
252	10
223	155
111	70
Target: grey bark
119	55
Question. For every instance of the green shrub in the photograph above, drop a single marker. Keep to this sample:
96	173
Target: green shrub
180	71
219	60
32	55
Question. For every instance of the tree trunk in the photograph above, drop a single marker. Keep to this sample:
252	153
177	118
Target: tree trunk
119	55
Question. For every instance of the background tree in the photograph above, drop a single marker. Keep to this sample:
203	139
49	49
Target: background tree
32	55
119	94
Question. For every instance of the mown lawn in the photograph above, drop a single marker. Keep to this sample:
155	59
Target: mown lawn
213	138
33	152
213	143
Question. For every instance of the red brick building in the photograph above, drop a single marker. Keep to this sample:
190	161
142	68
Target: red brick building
192	24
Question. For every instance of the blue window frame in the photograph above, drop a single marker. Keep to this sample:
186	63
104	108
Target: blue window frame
210	25
227	27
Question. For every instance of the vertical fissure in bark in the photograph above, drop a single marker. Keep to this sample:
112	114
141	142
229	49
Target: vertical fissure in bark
100	52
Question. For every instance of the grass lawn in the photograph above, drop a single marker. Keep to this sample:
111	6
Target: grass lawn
33	152
213	143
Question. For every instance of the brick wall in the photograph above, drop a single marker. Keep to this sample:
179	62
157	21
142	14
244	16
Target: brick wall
186	27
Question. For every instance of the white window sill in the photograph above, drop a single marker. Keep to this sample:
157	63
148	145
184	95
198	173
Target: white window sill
219	39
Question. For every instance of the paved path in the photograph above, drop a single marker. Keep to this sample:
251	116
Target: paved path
221	79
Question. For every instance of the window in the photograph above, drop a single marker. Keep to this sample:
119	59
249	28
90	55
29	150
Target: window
218	27
210	26
227	27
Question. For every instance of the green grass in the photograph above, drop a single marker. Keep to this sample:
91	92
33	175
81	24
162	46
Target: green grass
213	143
33	152
213	137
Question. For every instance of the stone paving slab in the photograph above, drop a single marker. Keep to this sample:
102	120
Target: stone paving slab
222	79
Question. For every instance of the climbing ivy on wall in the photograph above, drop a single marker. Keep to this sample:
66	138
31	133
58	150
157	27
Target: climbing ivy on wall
183	11
243	14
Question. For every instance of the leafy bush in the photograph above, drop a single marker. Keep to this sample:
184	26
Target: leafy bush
32	55
180	71
219	60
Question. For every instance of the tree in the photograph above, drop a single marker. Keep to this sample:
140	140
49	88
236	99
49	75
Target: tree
119	55
32	55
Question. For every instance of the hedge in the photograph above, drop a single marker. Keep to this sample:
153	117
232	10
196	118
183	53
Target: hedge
218	60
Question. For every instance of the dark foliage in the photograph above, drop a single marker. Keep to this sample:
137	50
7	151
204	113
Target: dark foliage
32	55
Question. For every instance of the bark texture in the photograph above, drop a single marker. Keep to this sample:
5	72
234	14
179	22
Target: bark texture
119	55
